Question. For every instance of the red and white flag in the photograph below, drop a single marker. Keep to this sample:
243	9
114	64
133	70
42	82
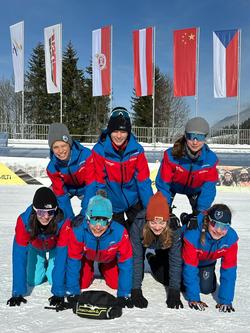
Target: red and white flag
53	58
185	50
17	48
101	61
143	61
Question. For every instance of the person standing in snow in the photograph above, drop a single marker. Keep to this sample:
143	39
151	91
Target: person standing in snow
71	169
213	239
36	235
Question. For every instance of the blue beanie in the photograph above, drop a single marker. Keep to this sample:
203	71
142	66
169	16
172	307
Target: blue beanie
99	207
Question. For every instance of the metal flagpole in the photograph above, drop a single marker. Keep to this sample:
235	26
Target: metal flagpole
22	114
238	90
153	96
61	73
111	73
197	71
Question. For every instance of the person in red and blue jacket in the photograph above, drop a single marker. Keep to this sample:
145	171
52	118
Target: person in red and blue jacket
213	239
36	234
189	168
121	168
94	238
71	169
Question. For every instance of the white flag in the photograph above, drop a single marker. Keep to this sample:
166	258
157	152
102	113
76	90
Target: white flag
53	58
17	49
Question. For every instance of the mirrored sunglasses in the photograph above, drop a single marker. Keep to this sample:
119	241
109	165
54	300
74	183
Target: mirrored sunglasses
219	225
45	212
118	113
195	136
99	221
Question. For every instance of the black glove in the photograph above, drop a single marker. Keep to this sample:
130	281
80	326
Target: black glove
173	300
71	301
56	301
201	306
123	302
16	300
190	220
139	301
225	307
174	222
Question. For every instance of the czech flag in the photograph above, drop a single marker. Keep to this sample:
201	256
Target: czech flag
226	63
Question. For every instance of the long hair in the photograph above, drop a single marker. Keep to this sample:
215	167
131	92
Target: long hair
149	237
51	228
178	150
204	229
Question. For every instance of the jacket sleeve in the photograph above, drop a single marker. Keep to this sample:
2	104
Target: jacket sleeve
175	261
143	179
100	173
125	266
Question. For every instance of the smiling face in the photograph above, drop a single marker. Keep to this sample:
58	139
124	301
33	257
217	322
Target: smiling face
45	219
97	230
61	150
119	137
195	145
157	225
216	232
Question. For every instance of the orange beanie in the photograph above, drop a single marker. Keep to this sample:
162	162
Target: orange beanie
157	207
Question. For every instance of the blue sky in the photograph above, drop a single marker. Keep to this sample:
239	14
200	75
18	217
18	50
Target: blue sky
80	17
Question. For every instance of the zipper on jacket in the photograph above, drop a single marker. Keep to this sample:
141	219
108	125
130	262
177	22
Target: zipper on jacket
189	174
74	179
122	168
97	248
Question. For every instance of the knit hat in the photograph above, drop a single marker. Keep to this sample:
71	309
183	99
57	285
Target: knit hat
99	207
157	207
58	132
220	213
119	120
44	198
197	125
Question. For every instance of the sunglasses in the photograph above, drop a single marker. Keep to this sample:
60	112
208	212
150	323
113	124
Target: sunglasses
195	136
45	212
120	112
219	225
103	222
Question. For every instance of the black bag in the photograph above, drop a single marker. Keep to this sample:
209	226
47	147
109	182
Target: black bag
96	304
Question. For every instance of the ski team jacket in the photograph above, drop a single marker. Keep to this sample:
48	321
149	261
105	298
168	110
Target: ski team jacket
73	177
196	255
21	244
174	254
113	244
125	178
185	176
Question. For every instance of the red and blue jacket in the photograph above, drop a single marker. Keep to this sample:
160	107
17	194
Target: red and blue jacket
196	255
125	178
21	243
186	176
114	244
75	177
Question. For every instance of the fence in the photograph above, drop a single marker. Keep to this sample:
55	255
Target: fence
144	134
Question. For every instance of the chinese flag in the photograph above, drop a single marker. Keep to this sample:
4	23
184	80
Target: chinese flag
185	46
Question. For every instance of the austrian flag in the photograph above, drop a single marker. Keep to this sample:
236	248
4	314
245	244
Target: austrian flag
101	59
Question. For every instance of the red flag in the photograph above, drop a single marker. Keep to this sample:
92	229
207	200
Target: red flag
143	61
185	46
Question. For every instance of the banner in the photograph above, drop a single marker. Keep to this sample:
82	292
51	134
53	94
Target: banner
101	61
185	50
226	57
143	61
53	58
17	49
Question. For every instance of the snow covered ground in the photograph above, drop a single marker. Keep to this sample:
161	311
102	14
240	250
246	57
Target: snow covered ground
32	317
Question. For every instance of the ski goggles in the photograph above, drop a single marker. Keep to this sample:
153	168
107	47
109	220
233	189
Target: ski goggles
102	221
219	225
195	136
45	212
120	112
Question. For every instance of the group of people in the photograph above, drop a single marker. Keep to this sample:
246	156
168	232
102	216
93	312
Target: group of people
121	221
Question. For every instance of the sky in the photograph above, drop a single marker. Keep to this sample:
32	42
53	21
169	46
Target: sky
80	17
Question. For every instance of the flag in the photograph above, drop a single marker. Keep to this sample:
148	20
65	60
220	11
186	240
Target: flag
101	60
185	49
17	48
143	61
53	58
226	57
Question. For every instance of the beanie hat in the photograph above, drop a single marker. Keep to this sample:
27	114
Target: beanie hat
58	132
99	206
220	213
197	125
119	120
44	198
157	207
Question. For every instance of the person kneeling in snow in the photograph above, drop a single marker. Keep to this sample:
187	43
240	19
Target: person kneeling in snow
94	238
151	229
36	234
213	239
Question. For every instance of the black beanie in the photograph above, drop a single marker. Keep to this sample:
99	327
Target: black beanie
44	198
220	213
58	132
119	120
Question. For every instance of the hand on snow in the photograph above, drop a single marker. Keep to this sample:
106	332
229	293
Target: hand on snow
225	307
190	220
56	301
16	300
124	302
201	306
139	301
173	300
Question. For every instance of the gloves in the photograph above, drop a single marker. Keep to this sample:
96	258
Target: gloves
138	300
174	222
56	301
123	302
173	300
190	220
16	300
201	306
225	307
71	301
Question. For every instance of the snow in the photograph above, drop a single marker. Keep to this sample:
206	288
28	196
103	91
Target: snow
32	317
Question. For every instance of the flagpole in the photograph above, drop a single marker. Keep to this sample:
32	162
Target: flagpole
61	115
111	72
22	114
153	96
197	71
238	92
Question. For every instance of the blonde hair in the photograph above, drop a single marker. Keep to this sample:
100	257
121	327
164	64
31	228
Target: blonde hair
166	237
